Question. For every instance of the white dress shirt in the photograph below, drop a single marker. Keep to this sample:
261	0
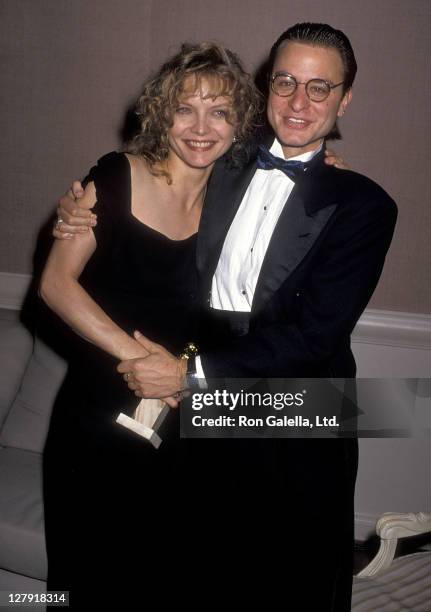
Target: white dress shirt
247	240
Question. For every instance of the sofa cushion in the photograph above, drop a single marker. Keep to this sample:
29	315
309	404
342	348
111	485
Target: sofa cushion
404	586
27	423
22	540
16	344
9	581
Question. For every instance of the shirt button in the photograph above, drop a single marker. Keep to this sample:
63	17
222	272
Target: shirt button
264	208
251	250
243	292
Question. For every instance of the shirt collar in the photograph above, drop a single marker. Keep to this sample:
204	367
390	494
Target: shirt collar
277	150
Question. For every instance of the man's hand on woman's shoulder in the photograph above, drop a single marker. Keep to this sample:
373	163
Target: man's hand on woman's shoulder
74	214
332	159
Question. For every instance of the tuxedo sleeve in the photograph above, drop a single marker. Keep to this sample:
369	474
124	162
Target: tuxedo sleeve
344	270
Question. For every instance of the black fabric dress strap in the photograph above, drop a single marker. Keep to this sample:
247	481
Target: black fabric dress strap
111	177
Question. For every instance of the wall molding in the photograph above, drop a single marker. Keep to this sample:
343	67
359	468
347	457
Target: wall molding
391	328
365	525
382	327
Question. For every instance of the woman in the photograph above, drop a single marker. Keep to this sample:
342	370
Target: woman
111	500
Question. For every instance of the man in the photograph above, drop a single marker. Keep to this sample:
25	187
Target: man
288	257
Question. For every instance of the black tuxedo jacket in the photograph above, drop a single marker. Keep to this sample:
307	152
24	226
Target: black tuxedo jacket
321	267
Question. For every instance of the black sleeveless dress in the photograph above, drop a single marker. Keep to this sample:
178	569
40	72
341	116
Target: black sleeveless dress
111	499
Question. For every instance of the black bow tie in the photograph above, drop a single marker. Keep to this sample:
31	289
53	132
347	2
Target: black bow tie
267	161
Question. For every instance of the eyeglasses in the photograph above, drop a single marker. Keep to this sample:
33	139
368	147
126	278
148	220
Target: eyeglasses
317	90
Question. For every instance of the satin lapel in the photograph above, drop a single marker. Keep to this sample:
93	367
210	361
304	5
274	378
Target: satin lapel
293	237
226	189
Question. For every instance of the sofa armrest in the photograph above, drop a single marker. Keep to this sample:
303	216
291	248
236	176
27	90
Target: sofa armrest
27	423
391	527
16	346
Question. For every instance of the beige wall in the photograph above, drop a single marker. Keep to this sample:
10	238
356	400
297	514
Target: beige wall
72	67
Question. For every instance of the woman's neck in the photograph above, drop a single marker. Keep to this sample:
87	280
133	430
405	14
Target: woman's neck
188	184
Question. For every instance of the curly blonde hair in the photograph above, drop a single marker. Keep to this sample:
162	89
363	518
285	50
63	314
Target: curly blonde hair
161	95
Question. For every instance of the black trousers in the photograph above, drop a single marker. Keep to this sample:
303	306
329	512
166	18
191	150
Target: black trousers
275	521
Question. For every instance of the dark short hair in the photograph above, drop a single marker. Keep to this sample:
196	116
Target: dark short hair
161	95
320	35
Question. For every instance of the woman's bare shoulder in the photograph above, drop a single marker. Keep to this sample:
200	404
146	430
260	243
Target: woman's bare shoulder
140	173
137	162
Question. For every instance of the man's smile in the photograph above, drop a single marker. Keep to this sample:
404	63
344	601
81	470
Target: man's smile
296	123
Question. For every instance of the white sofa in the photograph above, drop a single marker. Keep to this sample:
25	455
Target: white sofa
400	585
30	376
